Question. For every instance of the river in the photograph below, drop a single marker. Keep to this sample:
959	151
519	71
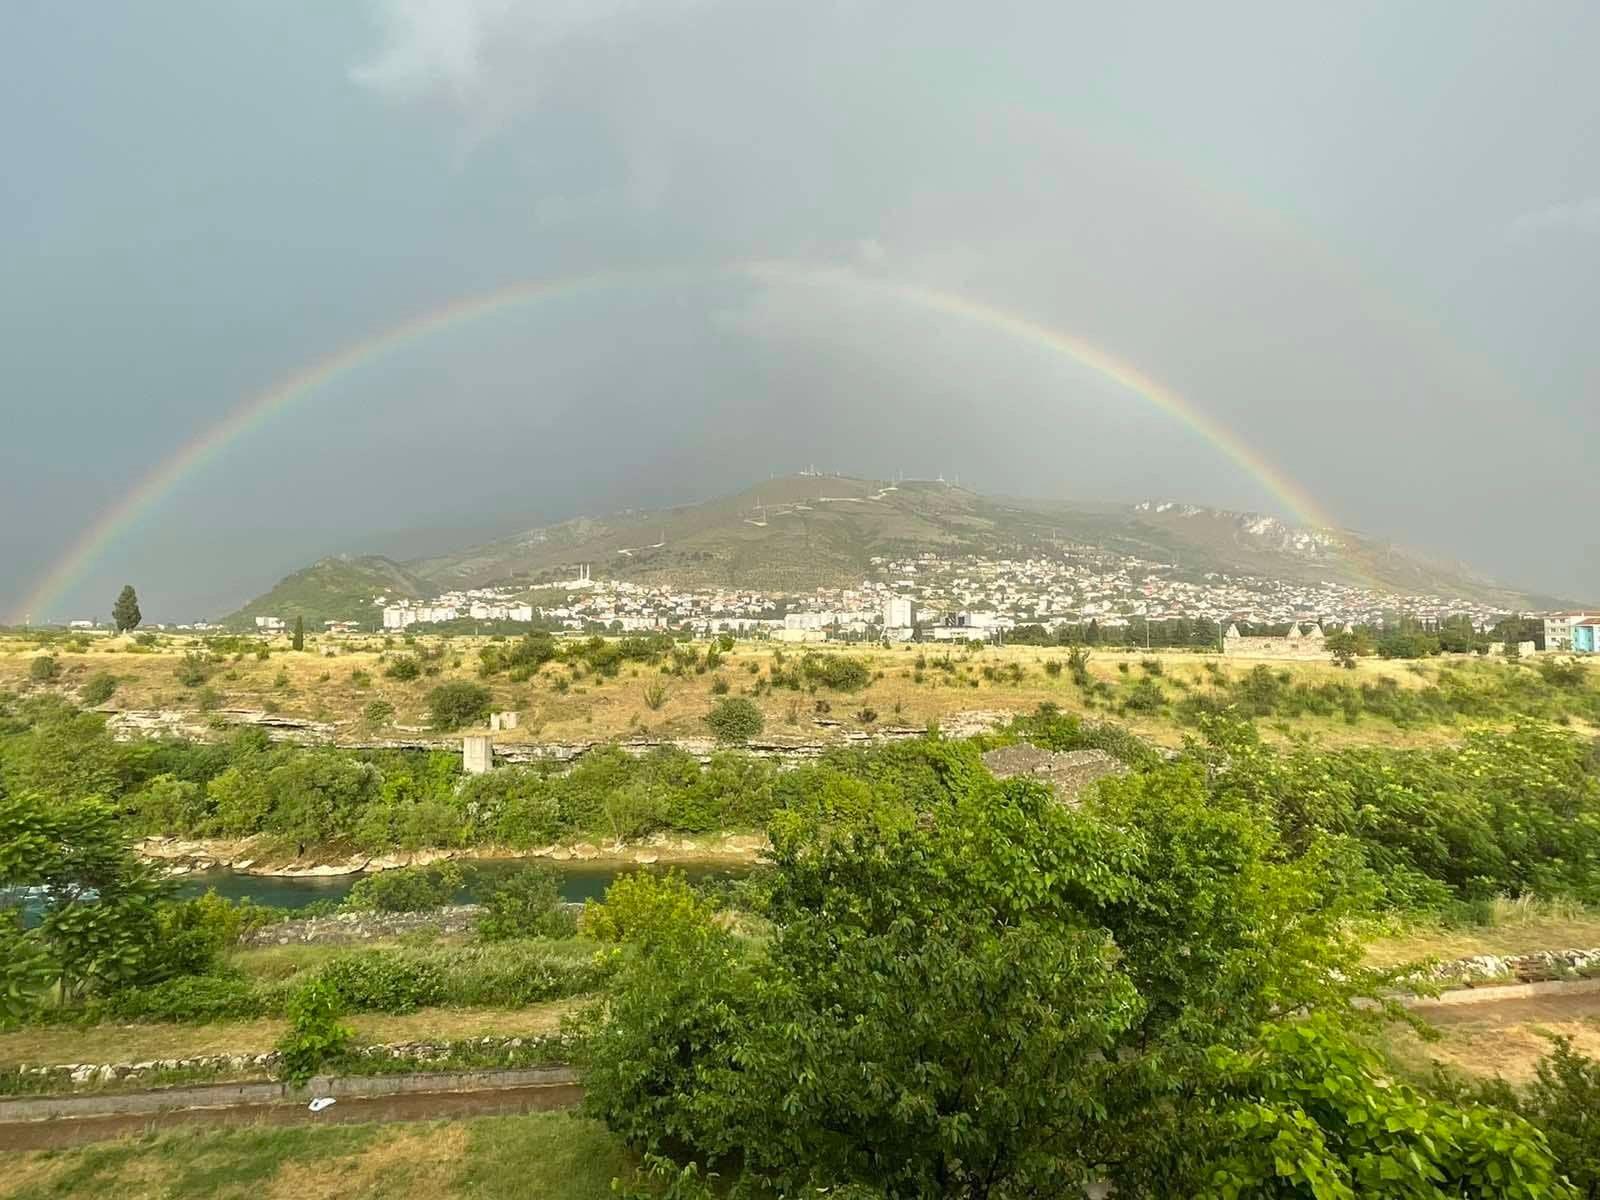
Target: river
578	881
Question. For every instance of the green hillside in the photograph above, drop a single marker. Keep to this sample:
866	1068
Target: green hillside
340	588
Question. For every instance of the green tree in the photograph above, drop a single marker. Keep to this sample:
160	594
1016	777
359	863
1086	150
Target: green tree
1342	648
457	703
735	719
1308	1113
997	996
525	903
299	640
125	612
99	922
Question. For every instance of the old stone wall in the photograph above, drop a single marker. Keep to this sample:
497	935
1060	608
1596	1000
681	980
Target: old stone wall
554	1048
352	928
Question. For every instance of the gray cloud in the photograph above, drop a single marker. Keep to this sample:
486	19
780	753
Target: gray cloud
1199	192
1576	216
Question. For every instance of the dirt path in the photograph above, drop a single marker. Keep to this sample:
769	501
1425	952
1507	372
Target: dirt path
415	1106
1489	1010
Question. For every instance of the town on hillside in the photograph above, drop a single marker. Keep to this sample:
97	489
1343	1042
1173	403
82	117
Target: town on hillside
930	596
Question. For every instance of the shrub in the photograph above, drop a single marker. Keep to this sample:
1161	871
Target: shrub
191	934
655	695
837	671
43	670
408	889
360	679
191	998
719	686
452	705
646	908
315	1037
514	974
404	668
382	981
97	689
735	719
378	712
524	904
193	669
208	699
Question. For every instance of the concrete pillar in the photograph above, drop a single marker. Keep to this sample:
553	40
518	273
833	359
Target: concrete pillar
477	754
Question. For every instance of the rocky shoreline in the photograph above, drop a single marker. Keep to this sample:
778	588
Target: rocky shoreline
254	855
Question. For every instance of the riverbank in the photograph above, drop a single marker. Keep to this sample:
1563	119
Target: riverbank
262	856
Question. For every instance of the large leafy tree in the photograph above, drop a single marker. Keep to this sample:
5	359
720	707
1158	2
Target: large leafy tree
1307	1113
98	927
1000	996
125	612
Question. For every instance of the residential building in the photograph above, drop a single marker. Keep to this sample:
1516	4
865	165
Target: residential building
1558	628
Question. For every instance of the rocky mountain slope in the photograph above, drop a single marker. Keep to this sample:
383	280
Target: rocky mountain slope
800	532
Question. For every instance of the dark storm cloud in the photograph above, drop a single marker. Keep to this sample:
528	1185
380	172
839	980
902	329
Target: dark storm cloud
1361	237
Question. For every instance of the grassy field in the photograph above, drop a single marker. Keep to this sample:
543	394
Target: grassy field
335	680
1517	928
552	1155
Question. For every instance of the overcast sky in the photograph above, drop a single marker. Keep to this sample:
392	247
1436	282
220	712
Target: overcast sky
1364	237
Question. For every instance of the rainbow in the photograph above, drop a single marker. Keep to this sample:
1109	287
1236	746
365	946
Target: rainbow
252	412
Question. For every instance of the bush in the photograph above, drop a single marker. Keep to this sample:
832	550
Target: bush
193	669
360	679
645	908
452	705
382	981
735	719
97	689
525	904
837	671
315	1036
43	670
511	974
189	998
378	712
655	695
408	889
191	934
405	669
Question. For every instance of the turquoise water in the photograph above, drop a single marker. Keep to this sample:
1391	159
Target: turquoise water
579	881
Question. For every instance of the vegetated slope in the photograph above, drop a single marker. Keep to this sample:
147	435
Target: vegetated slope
800	532
339	588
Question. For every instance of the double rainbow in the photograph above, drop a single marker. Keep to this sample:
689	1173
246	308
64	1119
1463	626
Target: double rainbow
255	410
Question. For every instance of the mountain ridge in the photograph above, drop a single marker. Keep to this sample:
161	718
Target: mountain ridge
799	532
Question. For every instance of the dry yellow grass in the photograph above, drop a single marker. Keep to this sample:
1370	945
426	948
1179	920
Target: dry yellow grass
309	685
1513	933
420	1162
1505	1038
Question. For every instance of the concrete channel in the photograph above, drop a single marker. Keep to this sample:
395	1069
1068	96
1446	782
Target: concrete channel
51	1122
